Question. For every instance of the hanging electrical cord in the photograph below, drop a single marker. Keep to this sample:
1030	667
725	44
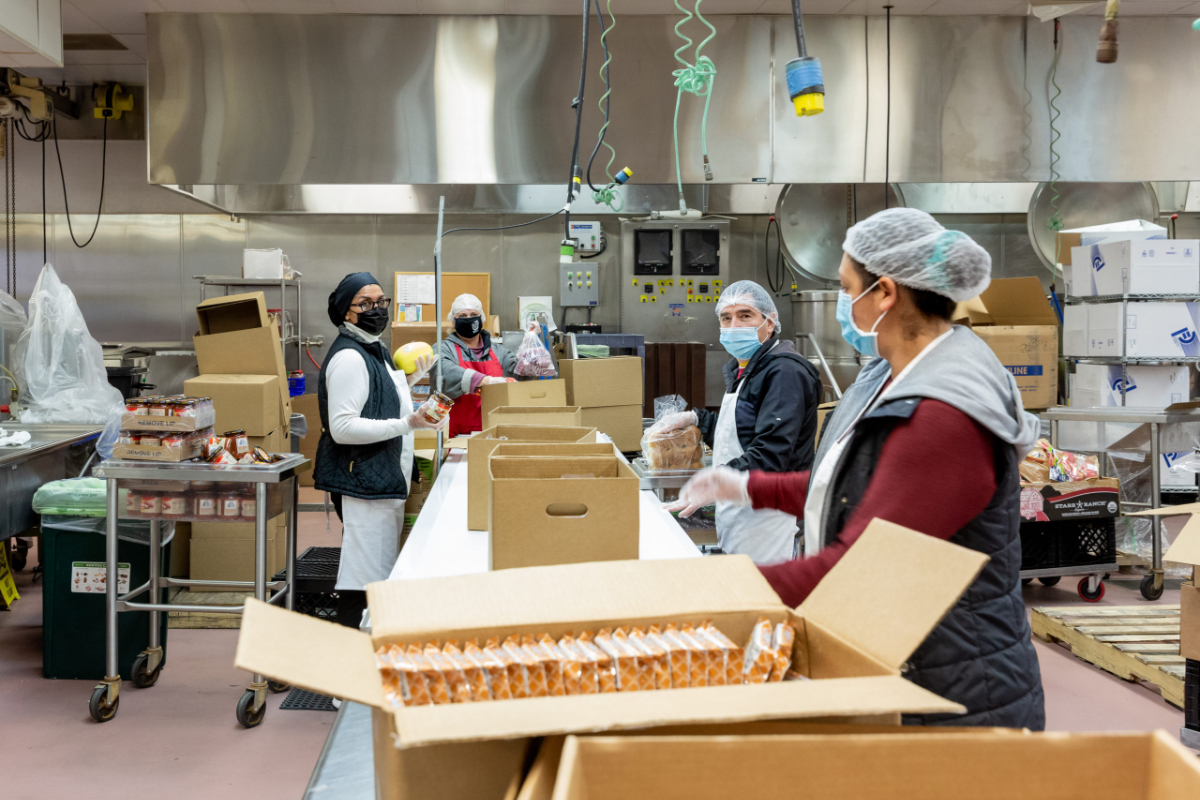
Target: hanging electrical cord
777	278
43	133
610	195
1026	116
1055	223
574	182
63	175
887	134
9	151
694	79
509	227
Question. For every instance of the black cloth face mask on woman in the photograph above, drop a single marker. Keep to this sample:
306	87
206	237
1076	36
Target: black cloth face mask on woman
468	327
373	322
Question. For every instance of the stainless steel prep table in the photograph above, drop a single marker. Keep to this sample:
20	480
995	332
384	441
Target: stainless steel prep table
251	708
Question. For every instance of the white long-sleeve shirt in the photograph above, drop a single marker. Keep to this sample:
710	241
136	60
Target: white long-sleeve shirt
347	384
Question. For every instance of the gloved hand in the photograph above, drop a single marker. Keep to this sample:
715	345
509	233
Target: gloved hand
674	422
709	486
424	364
492	381
417	422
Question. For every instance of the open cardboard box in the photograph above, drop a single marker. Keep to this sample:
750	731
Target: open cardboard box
853	633
562	509
523	394
547	449
1185	550
552	416
927	766
1014	319
480	446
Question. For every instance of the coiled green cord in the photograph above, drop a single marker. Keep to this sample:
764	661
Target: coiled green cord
609	195
695	79
1055	223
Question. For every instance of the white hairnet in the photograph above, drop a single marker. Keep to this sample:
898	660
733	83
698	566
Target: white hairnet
465	302
748	293
913	249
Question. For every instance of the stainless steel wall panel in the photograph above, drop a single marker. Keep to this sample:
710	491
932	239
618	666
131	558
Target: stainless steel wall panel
210	245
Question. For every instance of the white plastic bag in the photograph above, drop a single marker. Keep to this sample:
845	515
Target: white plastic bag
533	359
12	323
59	365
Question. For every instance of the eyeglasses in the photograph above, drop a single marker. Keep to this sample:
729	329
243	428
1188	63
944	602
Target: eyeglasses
367	305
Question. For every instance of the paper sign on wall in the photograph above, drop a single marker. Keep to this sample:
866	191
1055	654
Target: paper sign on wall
415	289
91	577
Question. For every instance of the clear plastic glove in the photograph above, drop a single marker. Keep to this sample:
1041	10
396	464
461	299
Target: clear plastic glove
674	422
709	486
417	422
424	364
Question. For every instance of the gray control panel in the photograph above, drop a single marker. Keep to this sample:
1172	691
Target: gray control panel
578	285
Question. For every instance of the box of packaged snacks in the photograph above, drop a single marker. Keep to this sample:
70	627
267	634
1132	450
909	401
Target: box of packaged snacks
176	413
693	625
160	445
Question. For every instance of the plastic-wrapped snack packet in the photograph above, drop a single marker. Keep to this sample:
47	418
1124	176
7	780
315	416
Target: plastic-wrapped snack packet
645	664
659	665
677	656
606	674
476	682
394	690
574	665
479	679
624	662
782	641
453	684
714	656
735	655
760	658
535	667
514	661
556	679
697	656
415	683
435	679
497	664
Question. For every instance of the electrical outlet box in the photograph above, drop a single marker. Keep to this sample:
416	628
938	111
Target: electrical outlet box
591	239
578	285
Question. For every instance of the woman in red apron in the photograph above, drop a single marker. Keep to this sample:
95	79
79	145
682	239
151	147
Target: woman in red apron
470	360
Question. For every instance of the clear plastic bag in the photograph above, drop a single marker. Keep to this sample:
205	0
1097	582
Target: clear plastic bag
533	359
59	365
674	441
12	323
1136	534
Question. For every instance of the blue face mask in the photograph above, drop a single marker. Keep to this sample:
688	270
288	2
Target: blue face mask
862	341
740	342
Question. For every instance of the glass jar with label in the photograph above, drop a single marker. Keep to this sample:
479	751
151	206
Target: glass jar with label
249	507
229	506
174	506
151	505
205	505
127	437
237	444
158	408
133	504
146	439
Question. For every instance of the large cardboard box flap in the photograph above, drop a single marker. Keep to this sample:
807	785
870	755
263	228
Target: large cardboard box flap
870	600
1186	550
1009	301
550	416
234	312
522	394
314	654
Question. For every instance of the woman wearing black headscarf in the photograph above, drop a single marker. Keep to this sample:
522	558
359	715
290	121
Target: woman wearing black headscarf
365	455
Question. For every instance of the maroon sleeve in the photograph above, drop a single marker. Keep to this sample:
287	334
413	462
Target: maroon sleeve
784	491
939	448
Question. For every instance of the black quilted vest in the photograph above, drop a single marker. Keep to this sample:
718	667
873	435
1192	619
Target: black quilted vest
365	471
980	655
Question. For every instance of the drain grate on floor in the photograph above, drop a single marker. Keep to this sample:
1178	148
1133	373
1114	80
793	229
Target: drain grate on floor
304	700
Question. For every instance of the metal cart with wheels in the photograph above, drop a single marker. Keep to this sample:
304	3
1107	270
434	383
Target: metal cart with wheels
276	490
1159	421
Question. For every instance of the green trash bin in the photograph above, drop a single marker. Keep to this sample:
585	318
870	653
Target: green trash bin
72	616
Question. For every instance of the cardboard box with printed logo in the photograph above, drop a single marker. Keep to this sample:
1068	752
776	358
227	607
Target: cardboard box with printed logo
1143	330
1166	266
1145	386
853	634
1127	230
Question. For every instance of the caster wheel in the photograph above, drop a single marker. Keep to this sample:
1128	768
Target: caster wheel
1026	581
98	706
1050	581
18	560
278	686
1091	597
141	678
245	711
1148	590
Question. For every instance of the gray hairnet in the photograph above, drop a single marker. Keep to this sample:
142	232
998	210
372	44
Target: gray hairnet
913	249
748	293
465	302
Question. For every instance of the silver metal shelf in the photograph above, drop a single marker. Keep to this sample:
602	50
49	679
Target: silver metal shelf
1116	360
1140	416
1090	569
1133	298
283	284
226	280
292	464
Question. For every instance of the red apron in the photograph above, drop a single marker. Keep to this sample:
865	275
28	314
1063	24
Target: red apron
466	415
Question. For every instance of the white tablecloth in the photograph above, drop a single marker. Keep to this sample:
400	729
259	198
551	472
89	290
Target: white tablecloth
441	545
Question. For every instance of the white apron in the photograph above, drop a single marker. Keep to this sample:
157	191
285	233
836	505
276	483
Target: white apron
371	528
767	536
822	476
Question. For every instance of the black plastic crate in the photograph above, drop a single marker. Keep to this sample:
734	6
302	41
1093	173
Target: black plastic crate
316	575
1081	544
1039	545
1191	694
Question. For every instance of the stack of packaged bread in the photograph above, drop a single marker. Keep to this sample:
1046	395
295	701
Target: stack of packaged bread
660	657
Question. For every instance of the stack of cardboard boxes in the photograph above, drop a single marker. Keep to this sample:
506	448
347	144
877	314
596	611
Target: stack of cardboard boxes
528	403
242	370
608	392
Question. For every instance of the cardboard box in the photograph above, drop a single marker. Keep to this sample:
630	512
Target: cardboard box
1075	330
853	634
929	766
1145	386
236	338
232	560
523	394
480	447
205	418
238	530
546	416
1170	266
823	411
1126	230
190	446
549	510
1016	321
1185	550
622	424
405	332
1143	330
1096	498
307	405
613	381
273	442
243	402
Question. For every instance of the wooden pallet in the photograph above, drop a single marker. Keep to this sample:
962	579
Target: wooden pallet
1131	642
195	619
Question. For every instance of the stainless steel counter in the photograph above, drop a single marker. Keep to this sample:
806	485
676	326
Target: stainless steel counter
24	469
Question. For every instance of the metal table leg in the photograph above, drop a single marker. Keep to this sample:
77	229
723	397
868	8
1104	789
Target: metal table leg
292	531
106	696
252	707
1152	584
148	664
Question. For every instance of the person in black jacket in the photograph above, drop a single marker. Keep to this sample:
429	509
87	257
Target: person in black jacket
767	421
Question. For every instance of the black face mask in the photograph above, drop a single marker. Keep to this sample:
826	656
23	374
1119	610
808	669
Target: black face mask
373	322
468	327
